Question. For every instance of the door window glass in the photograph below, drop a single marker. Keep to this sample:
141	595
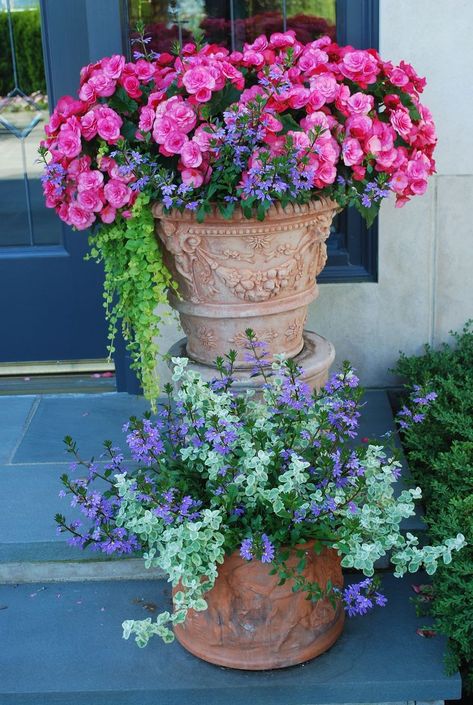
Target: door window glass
24	219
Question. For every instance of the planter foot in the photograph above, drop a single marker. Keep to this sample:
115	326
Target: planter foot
315	358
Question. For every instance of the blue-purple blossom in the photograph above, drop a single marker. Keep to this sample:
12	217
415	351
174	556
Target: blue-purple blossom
145	444
359	598
267	554
246	549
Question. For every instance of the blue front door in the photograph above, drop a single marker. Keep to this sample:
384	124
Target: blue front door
50	298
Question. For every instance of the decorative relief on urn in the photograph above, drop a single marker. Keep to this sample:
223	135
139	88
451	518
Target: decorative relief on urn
240	339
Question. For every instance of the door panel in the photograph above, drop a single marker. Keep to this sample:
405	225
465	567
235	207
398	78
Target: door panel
50	298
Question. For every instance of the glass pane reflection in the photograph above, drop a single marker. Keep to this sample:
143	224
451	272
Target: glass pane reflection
24	219
230	22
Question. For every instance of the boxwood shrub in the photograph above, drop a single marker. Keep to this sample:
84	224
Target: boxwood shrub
440	455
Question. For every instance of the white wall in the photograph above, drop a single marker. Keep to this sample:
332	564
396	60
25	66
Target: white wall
425	281
426	248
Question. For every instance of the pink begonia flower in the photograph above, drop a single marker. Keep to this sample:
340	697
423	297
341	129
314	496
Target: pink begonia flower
89	180
183	116
77	166
192	177
271	123
359	66
63	212
203	95
51	197
316	119
359	126
108	124
298	97
146	119
281	40
327	173
418	168
401	122
115	173
127	214
86	71
90	200
69	140
131	85
88	123
175	141
260	44
385	161
398	181
419	186
233	74
251	93
87	93
316	101
107	164
253	58
398	77
197	78
400	201
311	59
300	140
191	156
203	135
144	70
79	218
352	152
162	127
55	122
103	85
67	106
326	85
360	104
113	66
359	172
108	214
341	101
117	193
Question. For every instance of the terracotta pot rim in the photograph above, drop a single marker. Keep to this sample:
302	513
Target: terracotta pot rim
275	212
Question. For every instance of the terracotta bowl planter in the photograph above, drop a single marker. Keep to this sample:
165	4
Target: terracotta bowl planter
238	274
253	623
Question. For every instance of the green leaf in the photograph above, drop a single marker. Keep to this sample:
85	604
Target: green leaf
288	123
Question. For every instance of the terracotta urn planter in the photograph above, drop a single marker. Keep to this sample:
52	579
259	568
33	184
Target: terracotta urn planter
239	273
252	623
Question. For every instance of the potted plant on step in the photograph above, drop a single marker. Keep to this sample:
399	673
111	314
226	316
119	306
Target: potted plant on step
243	158
251	507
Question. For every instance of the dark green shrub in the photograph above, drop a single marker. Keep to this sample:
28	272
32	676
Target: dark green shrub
29	52
452	606
440	455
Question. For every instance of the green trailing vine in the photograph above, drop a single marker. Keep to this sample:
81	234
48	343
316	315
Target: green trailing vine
136	281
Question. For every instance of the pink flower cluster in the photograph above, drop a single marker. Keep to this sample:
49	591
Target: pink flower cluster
351	114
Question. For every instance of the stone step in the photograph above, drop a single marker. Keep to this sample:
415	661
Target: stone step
64	647
32	457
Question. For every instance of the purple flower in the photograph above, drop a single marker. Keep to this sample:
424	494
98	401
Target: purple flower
267	555
246	549
359	598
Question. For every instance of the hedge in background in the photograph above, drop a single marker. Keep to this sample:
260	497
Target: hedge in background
440	454
29	52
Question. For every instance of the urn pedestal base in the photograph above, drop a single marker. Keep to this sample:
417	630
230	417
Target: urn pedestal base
315	358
